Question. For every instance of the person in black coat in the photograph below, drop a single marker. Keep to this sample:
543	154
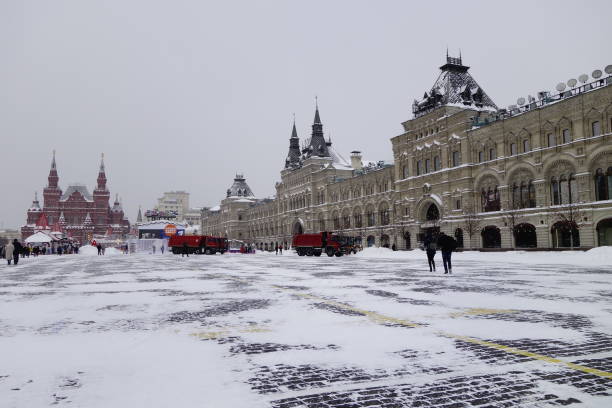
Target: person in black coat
447	245
185	250
430	247
17	252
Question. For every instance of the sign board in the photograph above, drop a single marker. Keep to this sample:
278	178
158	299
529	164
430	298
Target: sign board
170	230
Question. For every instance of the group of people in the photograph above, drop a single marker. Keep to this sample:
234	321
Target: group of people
12	251
446	244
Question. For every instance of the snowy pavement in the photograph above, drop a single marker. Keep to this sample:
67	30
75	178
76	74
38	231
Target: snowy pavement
371	330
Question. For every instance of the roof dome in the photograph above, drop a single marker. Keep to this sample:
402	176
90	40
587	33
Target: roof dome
239	188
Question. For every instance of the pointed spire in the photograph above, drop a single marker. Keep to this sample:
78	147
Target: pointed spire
317	146
101	176
317	118
88	220
139	217
53	177
293	157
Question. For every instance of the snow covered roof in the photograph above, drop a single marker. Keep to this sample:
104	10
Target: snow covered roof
79	188
39	237
455	87
337	159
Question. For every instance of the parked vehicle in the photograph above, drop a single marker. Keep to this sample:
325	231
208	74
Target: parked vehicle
328	242
198	244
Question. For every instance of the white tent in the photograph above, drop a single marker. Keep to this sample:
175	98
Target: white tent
38	238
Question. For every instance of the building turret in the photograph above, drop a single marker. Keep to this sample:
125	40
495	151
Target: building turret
139	217
318	146
293	157
240	188
101	197
101	176
52	193
34	211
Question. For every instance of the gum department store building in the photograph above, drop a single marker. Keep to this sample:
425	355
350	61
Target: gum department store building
538	174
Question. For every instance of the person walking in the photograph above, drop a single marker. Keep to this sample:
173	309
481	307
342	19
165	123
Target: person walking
99	246
430	248
280	248
162	249
9	248
447	245
17	251
276	249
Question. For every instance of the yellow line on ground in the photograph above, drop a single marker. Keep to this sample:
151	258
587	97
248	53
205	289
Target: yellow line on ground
378	317
536	356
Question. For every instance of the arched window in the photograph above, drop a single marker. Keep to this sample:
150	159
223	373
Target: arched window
419	166
532	195
357	220
480	156
596	128
371	217
436	162
516	196
405	171
526	146
554	191
564	189
427	165
603	184
384	215
573	190
513	149
551	139
492	154
523	195
567	136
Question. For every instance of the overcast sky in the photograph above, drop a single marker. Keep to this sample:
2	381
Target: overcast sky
184	94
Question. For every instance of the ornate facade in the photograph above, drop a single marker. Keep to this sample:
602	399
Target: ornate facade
76	213
534	175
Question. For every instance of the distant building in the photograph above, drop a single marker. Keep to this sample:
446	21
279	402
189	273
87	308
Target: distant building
174	206
76	213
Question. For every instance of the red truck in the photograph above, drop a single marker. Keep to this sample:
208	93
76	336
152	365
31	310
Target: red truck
328	242
199	244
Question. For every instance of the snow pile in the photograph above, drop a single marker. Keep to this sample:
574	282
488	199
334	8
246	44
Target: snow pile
600	256
90	250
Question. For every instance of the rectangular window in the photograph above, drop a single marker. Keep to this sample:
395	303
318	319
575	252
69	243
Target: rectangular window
596	128
427	165
526	145
480	156
567	137
437	163
513	149
456	158
551	139
419	167
492	154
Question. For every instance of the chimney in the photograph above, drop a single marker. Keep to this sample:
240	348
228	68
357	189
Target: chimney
356	160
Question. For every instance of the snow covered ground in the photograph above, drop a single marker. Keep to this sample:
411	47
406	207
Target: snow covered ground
375	329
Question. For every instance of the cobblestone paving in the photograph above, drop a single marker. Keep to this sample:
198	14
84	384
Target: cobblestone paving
294	332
